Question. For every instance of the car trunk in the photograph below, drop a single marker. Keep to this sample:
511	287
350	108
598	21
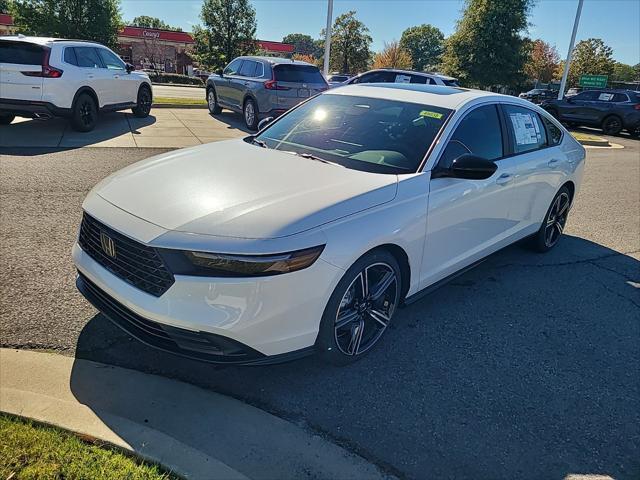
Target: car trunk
296	83
20	66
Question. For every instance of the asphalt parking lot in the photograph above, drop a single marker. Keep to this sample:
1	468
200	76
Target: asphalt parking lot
527	367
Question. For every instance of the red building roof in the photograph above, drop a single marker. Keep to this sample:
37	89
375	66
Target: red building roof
6	19
276	46
151	33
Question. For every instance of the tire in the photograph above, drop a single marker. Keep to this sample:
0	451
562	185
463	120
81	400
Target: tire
554	222
635	132
612	125
6	119
84	116
363	322
212	102
143	104
250	114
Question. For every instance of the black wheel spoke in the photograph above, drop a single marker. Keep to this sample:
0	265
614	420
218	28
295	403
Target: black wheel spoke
383	285
346	318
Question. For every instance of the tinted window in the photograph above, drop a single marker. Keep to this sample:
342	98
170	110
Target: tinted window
110	60
619	97
451	83
587	96
20	53
233	67
70	56
371	134
554	134
479	133
526	129
298	74
248	68
87	57
419	79
377	77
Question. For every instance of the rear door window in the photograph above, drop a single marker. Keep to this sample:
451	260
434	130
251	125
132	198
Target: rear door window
420	79
88	57
478	133
20	53
587	96
248	68
527	131
619	97
298	74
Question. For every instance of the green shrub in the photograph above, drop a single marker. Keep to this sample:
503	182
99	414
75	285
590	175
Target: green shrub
175	78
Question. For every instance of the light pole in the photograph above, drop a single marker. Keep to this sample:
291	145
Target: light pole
327	39
567	63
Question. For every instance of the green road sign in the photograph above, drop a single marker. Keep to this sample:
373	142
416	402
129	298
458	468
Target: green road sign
598	81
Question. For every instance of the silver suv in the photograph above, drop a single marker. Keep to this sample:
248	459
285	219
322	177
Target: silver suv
262	87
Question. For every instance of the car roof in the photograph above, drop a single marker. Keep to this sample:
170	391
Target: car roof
435	95
44	40
410	72
275	60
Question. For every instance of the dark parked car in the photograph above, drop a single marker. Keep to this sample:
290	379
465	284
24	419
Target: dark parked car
261	87
610	110
538	95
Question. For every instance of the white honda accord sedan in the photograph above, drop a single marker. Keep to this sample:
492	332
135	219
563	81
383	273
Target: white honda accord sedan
309	235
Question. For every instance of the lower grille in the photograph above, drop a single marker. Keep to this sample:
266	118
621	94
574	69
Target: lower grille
198	345
134	262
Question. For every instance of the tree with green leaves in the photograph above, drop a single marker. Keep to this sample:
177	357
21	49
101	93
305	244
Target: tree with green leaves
425	44
4	6
542	61
350	43
229	31
488	48
145	21
590	57
303	44
97	20
624	73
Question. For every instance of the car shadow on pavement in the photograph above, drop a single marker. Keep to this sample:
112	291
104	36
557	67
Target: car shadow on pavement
233	120
114	129
526	367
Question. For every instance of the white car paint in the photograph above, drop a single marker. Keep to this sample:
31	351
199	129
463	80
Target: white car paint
112	86
235	198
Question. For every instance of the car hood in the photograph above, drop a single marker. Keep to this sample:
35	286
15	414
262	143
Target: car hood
235	189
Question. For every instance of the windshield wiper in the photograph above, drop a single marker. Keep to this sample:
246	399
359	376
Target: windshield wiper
311	156
261	143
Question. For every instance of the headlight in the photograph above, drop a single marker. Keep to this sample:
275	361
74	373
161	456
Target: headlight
229	265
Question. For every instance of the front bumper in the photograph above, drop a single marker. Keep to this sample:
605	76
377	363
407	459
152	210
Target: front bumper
32	109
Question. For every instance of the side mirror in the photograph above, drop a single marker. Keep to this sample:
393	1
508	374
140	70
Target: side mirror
221	72
129	68
472	167
262	124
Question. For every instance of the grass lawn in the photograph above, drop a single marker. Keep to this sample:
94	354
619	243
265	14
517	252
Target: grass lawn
30	451
180	101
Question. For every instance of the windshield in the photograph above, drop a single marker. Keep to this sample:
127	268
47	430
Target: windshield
370	134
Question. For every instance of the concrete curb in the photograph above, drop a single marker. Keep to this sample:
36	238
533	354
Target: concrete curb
176	105
595	143
194	432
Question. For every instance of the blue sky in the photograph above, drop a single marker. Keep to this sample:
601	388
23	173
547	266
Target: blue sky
617	22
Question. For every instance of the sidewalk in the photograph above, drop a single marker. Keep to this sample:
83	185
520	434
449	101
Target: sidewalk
164	128
194	432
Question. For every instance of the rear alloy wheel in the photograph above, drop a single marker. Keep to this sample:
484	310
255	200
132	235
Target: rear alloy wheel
612	125
250	113
554	222
360	308
635	132
6	119
212	102
143	105
85	113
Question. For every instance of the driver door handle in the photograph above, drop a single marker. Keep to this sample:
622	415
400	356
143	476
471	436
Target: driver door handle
504	179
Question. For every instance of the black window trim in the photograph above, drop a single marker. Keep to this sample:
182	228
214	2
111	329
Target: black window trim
501	120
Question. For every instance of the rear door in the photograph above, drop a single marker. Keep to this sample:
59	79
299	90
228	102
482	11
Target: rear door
20	64
124	87
296	83
579	107
243	82
95	75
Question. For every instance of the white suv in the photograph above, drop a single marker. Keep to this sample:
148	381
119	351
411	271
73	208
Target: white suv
46	77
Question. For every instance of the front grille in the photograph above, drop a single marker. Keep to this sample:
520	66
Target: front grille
198	345
134	262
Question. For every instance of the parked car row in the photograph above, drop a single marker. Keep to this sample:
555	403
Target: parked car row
538	95
49	77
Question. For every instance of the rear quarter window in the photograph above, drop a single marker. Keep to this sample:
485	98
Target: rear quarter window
20	53
298	74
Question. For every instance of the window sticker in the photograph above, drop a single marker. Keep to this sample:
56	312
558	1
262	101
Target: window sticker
605	97
403	78
525	128
427	113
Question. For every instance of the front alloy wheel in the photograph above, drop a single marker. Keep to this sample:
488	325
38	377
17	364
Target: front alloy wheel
360	308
